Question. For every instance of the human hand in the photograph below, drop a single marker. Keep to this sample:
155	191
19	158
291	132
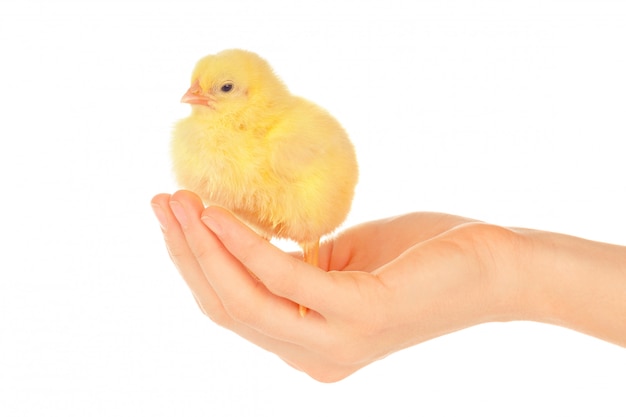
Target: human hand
383	285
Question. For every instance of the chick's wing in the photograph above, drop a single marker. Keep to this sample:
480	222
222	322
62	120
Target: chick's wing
305	141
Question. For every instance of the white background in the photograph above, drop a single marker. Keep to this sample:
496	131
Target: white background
509	112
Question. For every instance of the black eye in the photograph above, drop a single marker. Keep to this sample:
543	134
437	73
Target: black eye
226	87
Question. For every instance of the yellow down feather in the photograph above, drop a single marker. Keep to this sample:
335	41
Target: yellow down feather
282	164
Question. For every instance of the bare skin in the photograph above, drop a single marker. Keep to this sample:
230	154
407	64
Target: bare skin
389	284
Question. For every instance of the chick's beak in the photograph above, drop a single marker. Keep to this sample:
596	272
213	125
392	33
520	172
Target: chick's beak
195	96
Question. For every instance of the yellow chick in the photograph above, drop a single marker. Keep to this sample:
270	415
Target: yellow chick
280	163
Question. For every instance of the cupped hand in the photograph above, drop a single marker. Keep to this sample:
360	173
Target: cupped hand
382	286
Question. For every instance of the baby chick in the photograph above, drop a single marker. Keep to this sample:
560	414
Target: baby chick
280	163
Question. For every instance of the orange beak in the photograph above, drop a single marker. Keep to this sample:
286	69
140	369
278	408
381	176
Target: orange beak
195	96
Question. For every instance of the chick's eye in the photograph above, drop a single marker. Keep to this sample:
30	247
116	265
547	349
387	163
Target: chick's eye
226	87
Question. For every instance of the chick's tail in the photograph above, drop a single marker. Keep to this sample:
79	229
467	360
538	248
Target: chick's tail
311	252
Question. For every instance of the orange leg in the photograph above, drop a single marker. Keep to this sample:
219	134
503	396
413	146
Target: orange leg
311	252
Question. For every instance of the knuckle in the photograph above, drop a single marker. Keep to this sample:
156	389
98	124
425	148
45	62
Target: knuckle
203	253
346	354
215	313
174	249
242	313
221	318
349	355
250	249
327	375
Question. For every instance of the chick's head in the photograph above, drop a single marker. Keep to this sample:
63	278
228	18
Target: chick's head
232	82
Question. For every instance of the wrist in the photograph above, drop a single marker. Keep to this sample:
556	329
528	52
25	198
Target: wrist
502	252
571	282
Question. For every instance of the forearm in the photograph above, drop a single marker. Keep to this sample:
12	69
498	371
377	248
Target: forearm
574	283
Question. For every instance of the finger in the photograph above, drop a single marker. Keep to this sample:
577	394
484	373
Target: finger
204	294
301	357
182	257
320	364
244	298
281	273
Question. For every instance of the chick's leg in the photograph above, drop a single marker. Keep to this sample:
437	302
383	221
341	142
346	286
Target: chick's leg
311	252
311	256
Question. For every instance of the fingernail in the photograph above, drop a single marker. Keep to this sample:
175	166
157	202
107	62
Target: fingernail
179	213
212	224
160	215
